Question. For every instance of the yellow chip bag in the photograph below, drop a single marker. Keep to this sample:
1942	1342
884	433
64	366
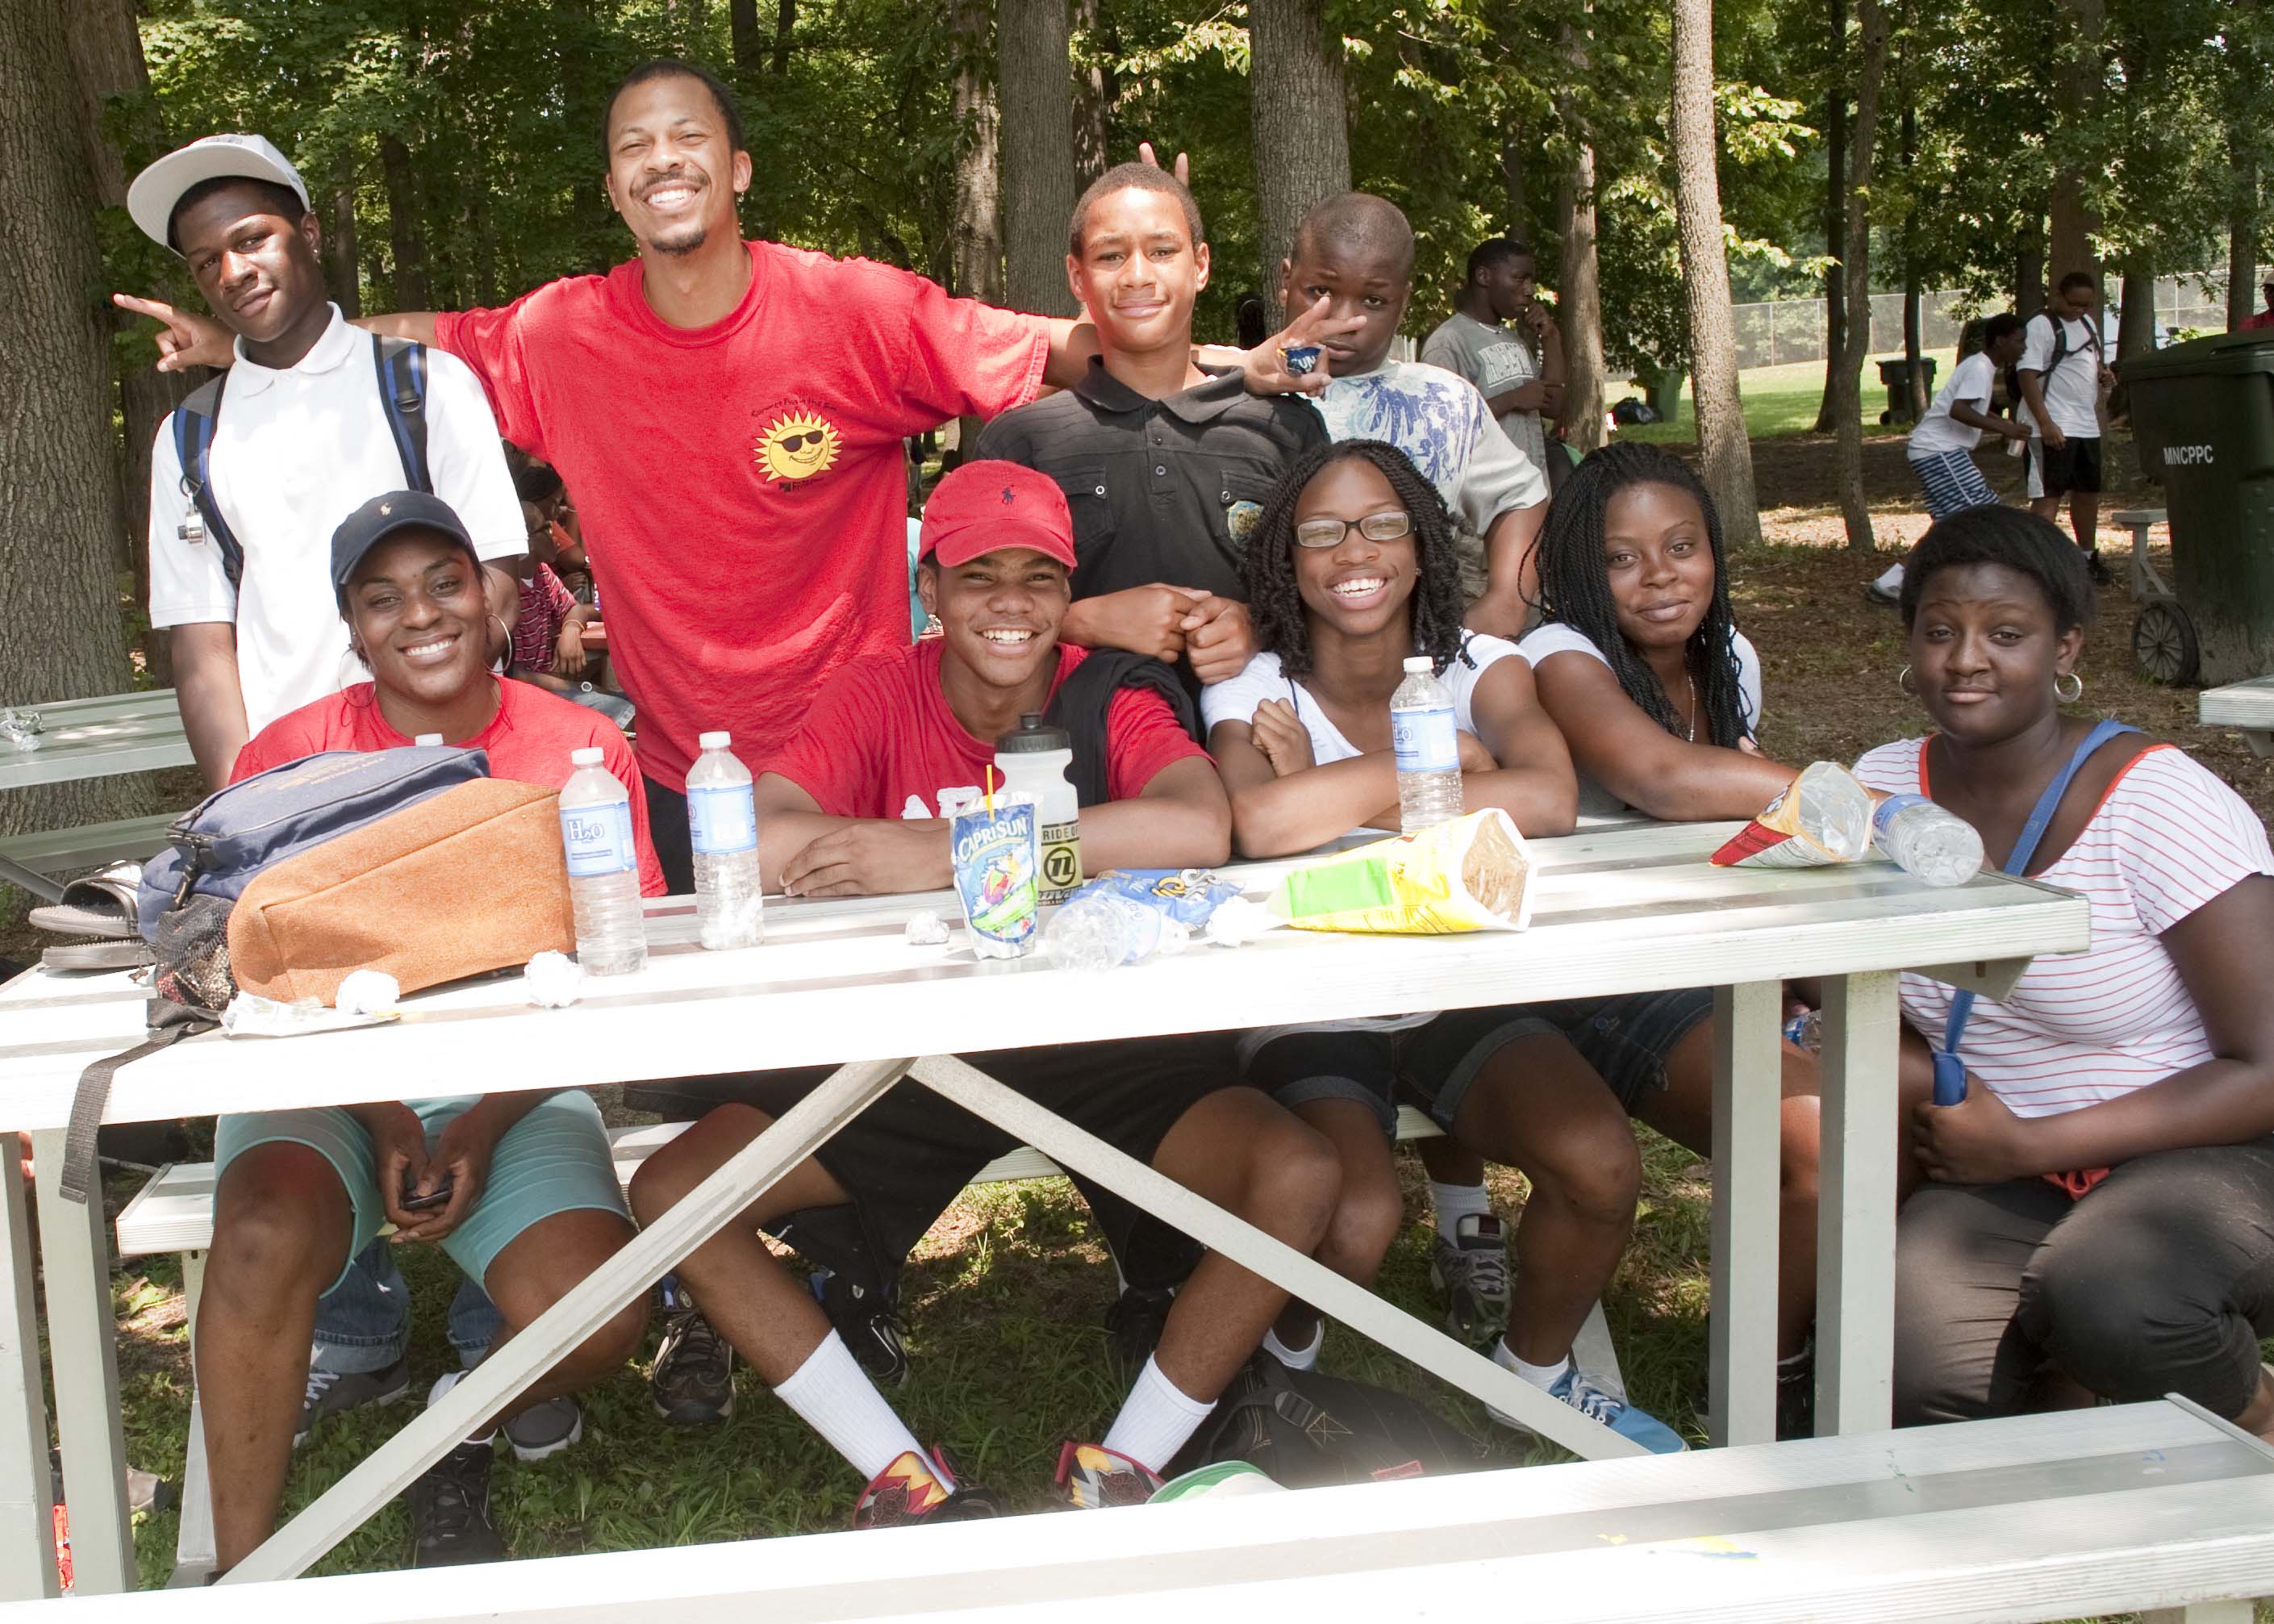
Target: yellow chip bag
1474	873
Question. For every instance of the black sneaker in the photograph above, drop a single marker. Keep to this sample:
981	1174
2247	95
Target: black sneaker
1471	1270
450	1511
867	1324
1134	1325
329	1393
693	1379
2102	575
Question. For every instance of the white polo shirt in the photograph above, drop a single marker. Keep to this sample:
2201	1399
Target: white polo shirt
294	453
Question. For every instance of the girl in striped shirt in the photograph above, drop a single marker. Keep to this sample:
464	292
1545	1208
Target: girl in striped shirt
2098	1212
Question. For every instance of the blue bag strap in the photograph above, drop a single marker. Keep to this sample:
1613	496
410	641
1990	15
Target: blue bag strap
195	421
401	364
1949	1071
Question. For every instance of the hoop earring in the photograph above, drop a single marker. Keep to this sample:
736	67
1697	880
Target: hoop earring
505	640
2074	694
1903	682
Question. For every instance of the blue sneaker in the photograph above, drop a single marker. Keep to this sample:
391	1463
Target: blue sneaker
1578	1389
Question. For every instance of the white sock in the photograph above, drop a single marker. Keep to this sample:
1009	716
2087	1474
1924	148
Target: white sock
1295	1358
1456	1201
444	1383
1157	1419
1892	580
833	1395
1540	1375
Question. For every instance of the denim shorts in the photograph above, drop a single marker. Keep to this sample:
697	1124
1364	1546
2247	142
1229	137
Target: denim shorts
554	1160
1625	1038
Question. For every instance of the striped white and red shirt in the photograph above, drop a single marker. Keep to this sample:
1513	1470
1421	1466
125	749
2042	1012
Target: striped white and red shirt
2167	837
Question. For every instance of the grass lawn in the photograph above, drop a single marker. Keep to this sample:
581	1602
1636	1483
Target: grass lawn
1783	400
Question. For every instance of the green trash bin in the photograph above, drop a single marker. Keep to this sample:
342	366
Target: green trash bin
2203	419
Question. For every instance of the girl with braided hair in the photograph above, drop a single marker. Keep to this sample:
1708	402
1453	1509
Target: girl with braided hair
1350	571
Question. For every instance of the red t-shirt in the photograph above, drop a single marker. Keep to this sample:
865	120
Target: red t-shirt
742	485
527	741
881	742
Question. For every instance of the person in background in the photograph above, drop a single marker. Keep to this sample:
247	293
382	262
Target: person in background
1503	340
2063	378
1355	251
548	638
2095	1217
1353	570
2261	320
530	1201
850	811
1641	666
301	435
1941	448
1165	464
560	547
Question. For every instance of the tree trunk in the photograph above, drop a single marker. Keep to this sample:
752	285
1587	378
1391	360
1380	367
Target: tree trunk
784	26
58	483
406	235
2029	269
2135	321
1727	454
121	129
1301	124
1835	204
1913	316
1579	309
2078	92
343	271
1854	255
1038	190
1092	92
976	236
742	29
2242	243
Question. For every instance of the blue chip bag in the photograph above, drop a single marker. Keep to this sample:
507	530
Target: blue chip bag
1187	895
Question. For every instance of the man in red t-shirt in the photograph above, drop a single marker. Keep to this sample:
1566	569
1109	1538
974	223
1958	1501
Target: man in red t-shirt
852	804
850	810
730	415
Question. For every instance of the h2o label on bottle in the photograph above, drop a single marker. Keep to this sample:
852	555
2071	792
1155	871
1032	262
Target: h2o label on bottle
1423	741
722	820
598	839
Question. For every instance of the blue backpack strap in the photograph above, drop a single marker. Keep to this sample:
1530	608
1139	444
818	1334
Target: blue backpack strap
1949	1070
195	420
401	364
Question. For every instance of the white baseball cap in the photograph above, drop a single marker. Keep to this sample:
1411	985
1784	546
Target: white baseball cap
151	199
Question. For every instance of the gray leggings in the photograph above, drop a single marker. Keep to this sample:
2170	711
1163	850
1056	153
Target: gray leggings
2161	1280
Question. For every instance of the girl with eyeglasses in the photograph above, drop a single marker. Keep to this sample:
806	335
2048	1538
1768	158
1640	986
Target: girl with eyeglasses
1350	571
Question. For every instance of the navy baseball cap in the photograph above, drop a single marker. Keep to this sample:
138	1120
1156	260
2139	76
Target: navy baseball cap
389	515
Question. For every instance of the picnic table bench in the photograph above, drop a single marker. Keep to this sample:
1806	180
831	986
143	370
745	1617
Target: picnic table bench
2156	1506
2247	706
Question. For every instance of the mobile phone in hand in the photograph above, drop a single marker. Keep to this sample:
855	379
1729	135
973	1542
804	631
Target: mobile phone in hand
440	1196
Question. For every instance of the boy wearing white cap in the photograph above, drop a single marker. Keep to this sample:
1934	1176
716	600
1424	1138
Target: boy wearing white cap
287	443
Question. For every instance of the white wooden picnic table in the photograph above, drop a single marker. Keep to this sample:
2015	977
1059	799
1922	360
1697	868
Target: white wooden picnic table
1619	910
2248	707
94	738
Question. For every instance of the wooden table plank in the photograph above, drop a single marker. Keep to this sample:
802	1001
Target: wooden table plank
97	738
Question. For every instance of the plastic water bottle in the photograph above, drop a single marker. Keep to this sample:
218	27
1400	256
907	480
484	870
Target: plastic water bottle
596	833
1422	731
1932	845
1099	931
722	825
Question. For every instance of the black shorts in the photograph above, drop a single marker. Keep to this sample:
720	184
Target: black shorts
1626	1039
908	1156
2075	466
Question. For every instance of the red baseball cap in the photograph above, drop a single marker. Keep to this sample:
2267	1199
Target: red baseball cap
987	506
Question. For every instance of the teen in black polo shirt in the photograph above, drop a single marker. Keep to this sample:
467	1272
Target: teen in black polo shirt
1165	465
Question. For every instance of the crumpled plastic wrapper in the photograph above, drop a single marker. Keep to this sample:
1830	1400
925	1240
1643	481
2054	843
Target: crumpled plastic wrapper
927	929
251	1016
20	729
1238	921
368	992
553	981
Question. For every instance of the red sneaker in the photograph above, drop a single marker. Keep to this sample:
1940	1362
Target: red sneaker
1093	1476
914	1489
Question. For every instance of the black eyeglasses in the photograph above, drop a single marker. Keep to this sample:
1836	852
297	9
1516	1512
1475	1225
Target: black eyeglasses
1374	527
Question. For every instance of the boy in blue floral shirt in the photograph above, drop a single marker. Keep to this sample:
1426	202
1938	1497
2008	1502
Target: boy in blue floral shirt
1357	251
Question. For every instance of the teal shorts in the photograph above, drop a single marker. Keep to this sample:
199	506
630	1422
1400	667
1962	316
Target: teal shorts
554	1160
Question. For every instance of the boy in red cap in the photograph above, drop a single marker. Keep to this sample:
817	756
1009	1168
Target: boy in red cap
852	808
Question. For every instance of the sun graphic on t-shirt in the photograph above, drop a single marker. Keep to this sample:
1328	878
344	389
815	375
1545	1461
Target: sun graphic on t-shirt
796	446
